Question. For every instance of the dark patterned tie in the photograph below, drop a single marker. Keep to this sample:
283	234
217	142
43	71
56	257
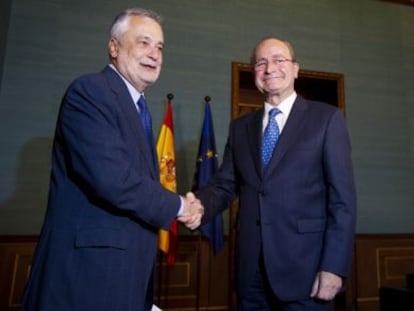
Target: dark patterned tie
146	122
270	137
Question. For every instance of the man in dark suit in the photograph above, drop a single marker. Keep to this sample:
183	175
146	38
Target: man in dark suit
98	243
296	214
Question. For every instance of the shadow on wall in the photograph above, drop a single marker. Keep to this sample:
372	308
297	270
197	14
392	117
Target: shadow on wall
23	212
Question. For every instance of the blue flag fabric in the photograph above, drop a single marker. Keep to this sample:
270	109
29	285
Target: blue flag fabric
206	166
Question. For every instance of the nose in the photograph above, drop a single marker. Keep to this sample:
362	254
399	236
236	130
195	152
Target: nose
270	67
155	52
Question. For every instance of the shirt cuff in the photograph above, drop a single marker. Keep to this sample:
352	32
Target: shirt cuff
181	210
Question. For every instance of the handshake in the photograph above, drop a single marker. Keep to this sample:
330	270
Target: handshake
192	212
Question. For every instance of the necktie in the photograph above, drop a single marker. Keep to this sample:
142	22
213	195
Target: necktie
270	137
146	121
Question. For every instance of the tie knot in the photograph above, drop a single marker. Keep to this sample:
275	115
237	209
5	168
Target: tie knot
273	112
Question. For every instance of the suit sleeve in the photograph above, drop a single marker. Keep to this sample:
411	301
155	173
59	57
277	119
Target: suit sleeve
342	205
218	194
98	146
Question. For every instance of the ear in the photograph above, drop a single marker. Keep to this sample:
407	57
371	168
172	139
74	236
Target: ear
296	69
113	47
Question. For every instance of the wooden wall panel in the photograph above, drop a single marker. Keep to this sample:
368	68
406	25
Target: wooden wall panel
176	285
15	262
405	2
199	280
381	261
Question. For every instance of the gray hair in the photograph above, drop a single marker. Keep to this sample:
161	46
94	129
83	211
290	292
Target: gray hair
120	24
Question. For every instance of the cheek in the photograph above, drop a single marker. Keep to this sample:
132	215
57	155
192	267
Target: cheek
259	84
258	78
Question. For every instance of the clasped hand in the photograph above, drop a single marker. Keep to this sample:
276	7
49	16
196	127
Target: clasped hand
192	213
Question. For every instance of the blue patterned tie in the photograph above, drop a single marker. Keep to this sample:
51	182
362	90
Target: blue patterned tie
270	137
146	121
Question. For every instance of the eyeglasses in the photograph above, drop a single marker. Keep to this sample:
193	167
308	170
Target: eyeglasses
261	64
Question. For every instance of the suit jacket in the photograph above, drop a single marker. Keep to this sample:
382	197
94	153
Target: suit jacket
301	212
98	242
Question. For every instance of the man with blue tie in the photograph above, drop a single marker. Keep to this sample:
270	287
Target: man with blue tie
98	243
290	166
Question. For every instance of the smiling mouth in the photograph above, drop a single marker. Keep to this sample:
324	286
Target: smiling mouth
149	66
272	78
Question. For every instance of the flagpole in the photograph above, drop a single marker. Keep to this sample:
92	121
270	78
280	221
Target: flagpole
170	97
163	274
207	100
198	272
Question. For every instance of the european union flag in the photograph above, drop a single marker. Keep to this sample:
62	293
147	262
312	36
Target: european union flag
206	167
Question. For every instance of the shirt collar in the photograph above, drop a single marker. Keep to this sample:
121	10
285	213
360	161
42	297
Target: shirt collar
285	106
132	91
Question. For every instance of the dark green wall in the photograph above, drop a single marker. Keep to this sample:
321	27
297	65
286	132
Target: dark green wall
5	6
48	43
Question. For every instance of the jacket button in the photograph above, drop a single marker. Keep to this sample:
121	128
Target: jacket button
258	222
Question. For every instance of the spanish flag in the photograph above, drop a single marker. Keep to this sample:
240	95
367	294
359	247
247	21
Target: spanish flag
167	239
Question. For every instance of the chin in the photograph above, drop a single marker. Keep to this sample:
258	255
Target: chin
273	93
150	79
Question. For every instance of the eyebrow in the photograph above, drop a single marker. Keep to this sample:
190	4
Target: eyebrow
140	37
277	55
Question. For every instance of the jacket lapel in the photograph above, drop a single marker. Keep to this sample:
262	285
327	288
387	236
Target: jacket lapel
254	136
131	114
290	132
